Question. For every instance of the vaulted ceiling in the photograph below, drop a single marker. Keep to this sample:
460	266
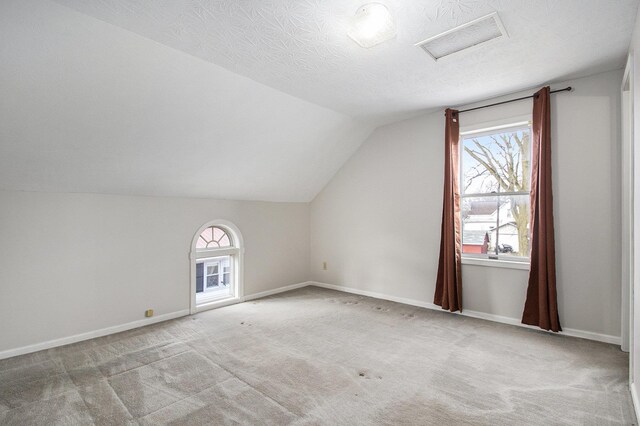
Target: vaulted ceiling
301	46
89	107
253	99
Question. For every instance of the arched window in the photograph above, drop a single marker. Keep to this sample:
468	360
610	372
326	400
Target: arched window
213	237
217	267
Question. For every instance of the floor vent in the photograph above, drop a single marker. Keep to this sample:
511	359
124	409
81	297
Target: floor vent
464	37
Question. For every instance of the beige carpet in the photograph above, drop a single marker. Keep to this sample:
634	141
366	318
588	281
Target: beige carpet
314	356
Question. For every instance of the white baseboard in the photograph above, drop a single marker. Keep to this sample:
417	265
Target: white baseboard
90	334
375	295
228	302
616	340
589	335
634	398
164	317
136	324
276	291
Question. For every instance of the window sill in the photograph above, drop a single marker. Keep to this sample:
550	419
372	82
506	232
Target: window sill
495	263
219	303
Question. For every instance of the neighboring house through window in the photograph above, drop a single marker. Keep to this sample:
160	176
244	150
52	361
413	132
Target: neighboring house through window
215	251
495	173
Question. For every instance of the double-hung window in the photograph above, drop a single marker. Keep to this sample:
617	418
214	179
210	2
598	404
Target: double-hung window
495	175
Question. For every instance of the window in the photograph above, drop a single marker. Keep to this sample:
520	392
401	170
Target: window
217	256
215	274
212	279
495	174
213	237
226	273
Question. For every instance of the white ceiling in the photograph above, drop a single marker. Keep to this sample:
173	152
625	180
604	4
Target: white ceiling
88	107
301	47
152	97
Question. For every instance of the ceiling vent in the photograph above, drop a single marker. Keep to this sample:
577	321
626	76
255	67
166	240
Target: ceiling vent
464	37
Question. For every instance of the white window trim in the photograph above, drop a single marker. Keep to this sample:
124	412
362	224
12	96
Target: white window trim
524	264
218	252
489	127
495	124
237	265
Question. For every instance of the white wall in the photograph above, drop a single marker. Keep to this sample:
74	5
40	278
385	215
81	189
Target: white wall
634	52
377	223
75	263
86	106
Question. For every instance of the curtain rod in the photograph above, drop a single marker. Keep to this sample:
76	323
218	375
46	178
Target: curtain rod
566	89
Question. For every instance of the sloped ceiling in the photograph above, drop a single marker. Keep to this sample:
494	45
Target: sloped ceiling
301	47
86	106
253	99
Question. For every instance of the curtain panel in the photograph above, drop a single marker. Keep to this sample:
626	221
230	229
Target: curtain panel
448	292
541	305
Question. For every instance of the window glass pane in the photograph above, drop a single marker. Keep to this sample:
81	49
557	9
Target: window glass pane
479	217
216	278
212	238
218	234
201	242
497	162
512	235
224	241
212	280
199	277
207	234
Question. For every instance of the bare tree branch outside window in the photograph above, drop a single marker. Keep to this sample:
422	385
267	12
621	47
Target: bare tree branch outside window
496	164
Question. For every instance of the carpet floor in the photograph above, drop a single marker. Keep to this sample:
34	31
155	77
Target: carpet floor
314	356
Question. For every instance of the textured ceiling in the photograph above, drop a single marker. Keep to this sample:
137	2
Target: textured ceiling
152	97
301	47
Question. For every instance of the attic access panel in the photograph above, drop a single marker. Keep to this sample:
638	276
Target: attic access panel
464	37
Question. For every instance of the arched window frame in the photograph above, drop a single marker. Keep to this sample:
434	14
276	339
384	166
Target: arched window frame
225	233
236	251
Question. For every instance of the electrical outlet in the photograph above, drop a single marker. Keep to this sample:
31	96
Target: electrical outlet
148	313
324	266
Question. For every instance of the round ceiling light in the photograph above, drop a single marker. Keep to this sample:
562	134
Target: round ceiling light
372	25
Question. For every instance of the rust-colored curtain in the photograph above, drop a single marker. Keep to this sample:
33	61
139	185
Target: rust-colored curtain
449	280
541	306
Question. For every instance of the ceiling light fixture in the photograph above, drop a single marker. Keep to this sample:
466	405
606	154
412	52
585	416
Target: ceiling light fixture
372	25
